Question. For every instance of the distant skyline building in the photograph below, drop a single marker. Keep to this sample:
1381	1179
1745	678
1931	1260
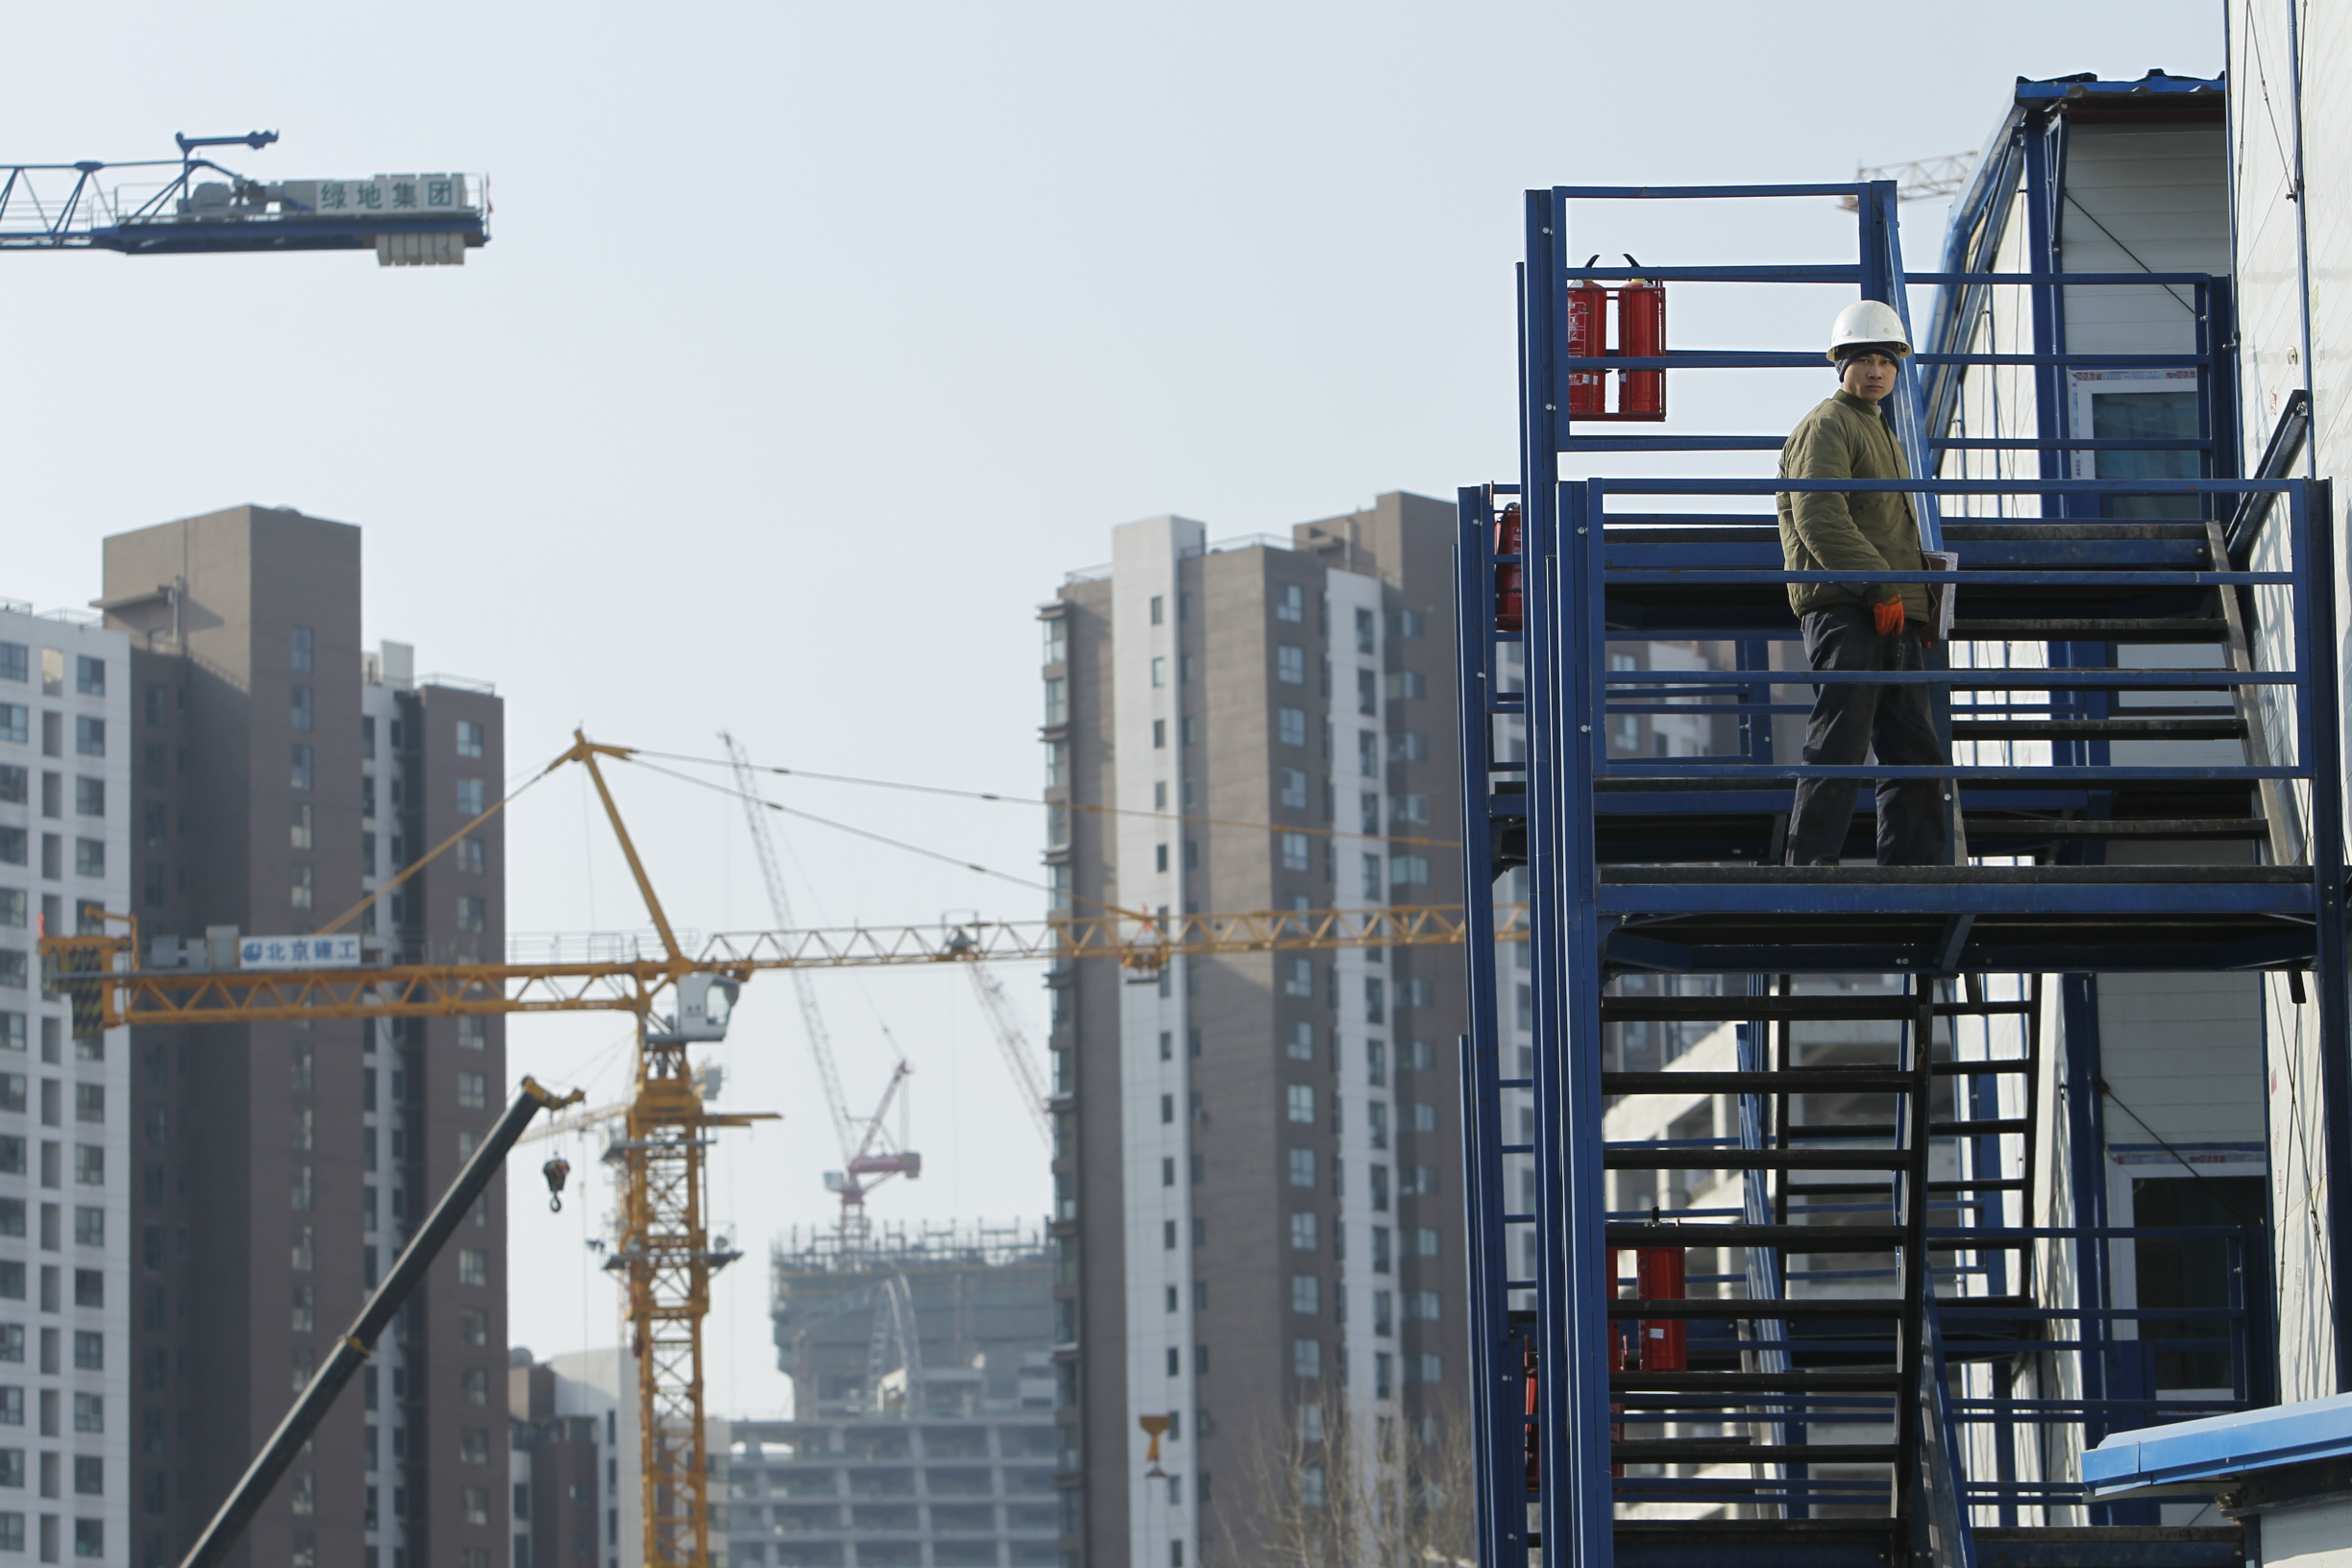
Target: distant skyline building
273	772
1256	1226
922	1431
66	1256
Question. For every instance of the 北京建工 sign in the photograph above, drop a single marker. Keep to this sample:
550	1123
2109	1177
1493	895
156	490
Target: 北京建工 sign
298	952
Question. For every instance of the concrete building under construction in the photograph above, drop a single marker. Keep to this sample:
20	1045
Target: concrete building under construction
923	1432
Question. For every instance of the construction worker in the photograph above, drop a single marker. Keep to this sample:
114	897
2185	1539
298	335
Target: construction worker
1862	624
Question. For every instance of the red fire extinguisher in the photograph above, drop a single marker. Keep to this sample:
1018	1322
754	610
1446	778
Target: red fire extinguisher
1641	334
1660	1275
1587	339
1639	311
1510	600
1534	1432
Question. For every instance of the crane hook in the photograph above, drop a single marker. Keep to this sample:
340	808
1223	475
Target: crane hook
555	1170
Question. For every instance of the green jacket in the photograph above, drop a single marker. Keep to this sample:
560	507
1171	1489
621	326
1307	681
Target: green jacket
1845	438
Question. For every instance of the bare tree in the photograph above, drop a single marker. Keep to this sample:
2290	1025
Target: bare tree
1330	1486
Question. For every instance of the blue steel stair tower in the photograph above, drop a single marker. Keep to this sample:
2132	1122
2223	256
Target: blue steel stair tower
1882	1343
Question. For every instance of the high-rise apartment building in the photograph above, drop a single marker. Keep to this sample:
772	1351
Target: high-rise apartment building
1257	1230
274	774
65	1255
573	1429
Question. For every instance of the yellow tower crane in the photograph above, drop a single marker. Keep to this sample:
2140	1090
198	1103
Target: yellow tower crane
663	1251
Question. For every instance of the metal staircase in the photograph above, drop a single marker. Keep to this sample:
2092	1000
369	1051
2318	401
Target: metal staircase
1884	1332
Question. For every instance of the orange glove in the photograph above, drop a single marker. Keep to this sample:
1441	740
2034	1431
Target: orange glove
1889	617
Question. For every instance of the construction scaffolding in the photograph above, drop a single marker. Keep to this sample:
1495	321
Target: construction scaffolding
1874	1310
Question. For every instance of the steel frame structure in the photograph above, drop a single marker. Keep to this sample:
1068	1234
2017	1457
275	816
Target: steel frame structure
1599	837
66	206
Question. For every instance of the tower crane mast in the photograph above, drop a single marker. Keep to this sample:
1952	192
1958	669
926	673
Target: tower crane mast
1005	1025
868	1156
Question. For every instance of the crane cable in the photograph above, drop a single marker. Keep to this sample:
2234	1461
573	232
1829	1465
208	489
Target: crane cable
885	839
504	799
1074	805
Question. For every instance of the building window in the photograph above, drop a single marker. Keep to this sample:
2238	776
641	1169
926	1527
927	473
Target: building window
89	676
90	796
1410	746
476	1502
1290	665
1427	1305
470	737
305	1313
1424	1117
1297	856
473	1266
89	1412
1383	1256
1298	980
1302	1104
1303	1168
1290	602
89	736
473	1034
470	796
474	1446
1375	999
90	857
14	719
89	1226
302	888
1409	870
1294	788
1291	725
1424	1241
15	662
1057	700
1367	693
1304	1236
473	1090
472	913
303	1189
299	651
299	771
1300	1045
471	856
1376	1122
303	715
90	1165
1372	877
1307	1294
367	738
299	835
1306	1361
473	1327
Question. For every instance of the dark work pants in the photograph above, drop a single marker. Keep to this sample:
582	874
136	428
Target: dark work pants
1848	723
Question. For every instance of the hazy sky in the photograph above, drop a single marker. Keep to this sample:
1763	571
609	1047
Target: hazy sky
815	343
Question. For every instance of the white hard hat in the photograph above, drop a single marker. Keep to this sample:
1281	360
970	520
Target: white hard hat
1869	321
